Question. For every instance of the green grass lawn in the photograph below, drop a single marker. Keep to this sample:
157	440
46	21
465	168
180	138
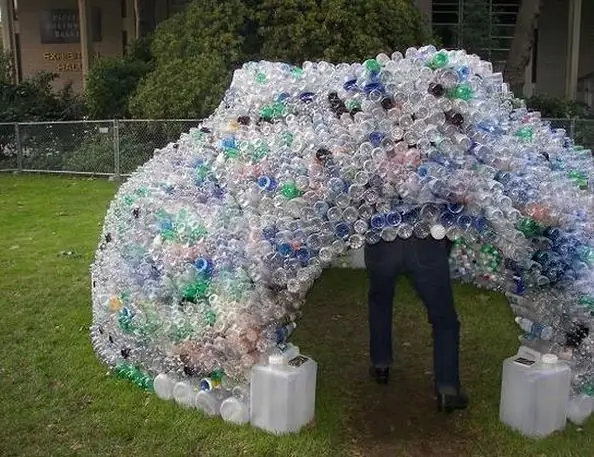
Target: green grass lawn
56	398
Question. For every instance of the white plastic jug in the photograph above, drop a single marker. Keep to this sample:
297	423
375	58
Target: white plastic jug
282	394
534	394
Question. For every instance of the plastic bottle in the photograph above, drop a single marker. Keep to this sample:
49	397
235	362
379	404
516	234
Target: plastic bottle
579	408
236	408
544	332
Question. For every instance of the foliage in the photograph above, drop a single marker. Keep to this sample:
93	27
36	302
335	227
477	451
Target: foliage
476	27
6	68
336	30
96	154
554	107
195	52
112	81
35	99
31	100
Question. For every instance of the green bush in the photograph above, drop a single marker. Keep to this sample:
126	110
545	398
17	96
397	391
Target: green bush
34	99
336	30
195	52
110	84
96	154
112	81
554	107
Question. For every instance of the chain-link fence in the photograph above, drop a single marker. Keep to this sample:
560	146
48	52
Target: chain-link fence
118	147
108	148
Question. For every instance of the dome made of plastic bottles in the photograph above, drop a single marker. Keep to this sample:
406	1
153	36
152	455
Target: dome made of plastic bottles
209	249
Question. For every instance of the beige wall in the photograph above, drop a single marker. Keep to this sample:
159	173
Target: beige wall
552	45
64	59
552	48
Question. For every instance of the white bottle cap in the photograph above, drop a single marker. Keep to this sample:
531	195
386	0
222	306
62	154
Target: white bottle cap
276	359
438	231
549	358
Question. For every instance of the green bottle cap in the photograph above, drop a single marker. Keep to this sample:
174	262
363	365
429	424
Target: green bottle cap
372	66
289	190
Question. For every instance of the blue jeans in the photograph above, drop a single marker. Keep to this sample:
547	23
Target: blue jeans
425	262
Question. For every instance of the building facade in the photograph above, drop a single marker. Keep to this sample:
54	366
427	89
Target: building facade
46	35
562	61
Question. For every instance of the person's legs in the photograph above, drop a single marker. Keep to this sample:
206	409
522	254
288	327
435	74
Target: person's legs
382	261
429	272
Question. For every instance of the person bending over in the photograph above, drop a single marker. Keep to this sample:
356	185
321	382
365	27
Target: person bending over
426	263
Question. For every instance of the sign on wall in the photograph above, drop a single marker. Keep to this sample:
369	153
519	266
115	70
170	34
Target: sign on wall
63	26
66	62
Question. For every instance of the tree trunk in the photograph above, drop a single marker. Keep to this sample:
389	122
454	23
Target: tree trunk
521	48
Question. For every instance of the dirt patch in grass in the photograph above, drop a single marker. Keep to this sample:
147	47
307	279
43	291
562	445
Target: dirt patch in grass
400	418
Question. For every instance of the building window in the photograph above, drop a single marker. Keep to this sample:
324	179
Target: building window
483	27
124	40
124	8
446	22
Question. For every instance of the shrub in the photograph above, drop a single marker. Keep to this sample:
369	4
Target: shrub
554	107
112	81
195	52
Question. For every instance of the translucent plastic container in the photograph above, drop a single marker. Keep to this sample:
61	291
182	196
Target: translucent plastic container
209	402
580	408
535	394
184	394
282	394
236	409
163	386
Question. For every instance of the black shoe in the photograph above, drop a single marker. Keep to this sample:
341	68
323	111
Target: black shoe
380	375
450	400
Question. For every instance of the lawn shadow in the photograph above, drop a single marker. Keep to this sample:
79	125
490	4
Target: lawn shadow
400	418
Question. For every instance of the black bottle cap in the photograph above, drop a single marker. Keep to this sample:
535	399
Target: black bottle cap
388	103
323	154
436	90
455	118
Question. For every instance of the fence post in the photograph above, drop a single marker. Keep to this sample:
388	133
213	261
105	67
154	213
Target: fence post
116	150
19	146
572	128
